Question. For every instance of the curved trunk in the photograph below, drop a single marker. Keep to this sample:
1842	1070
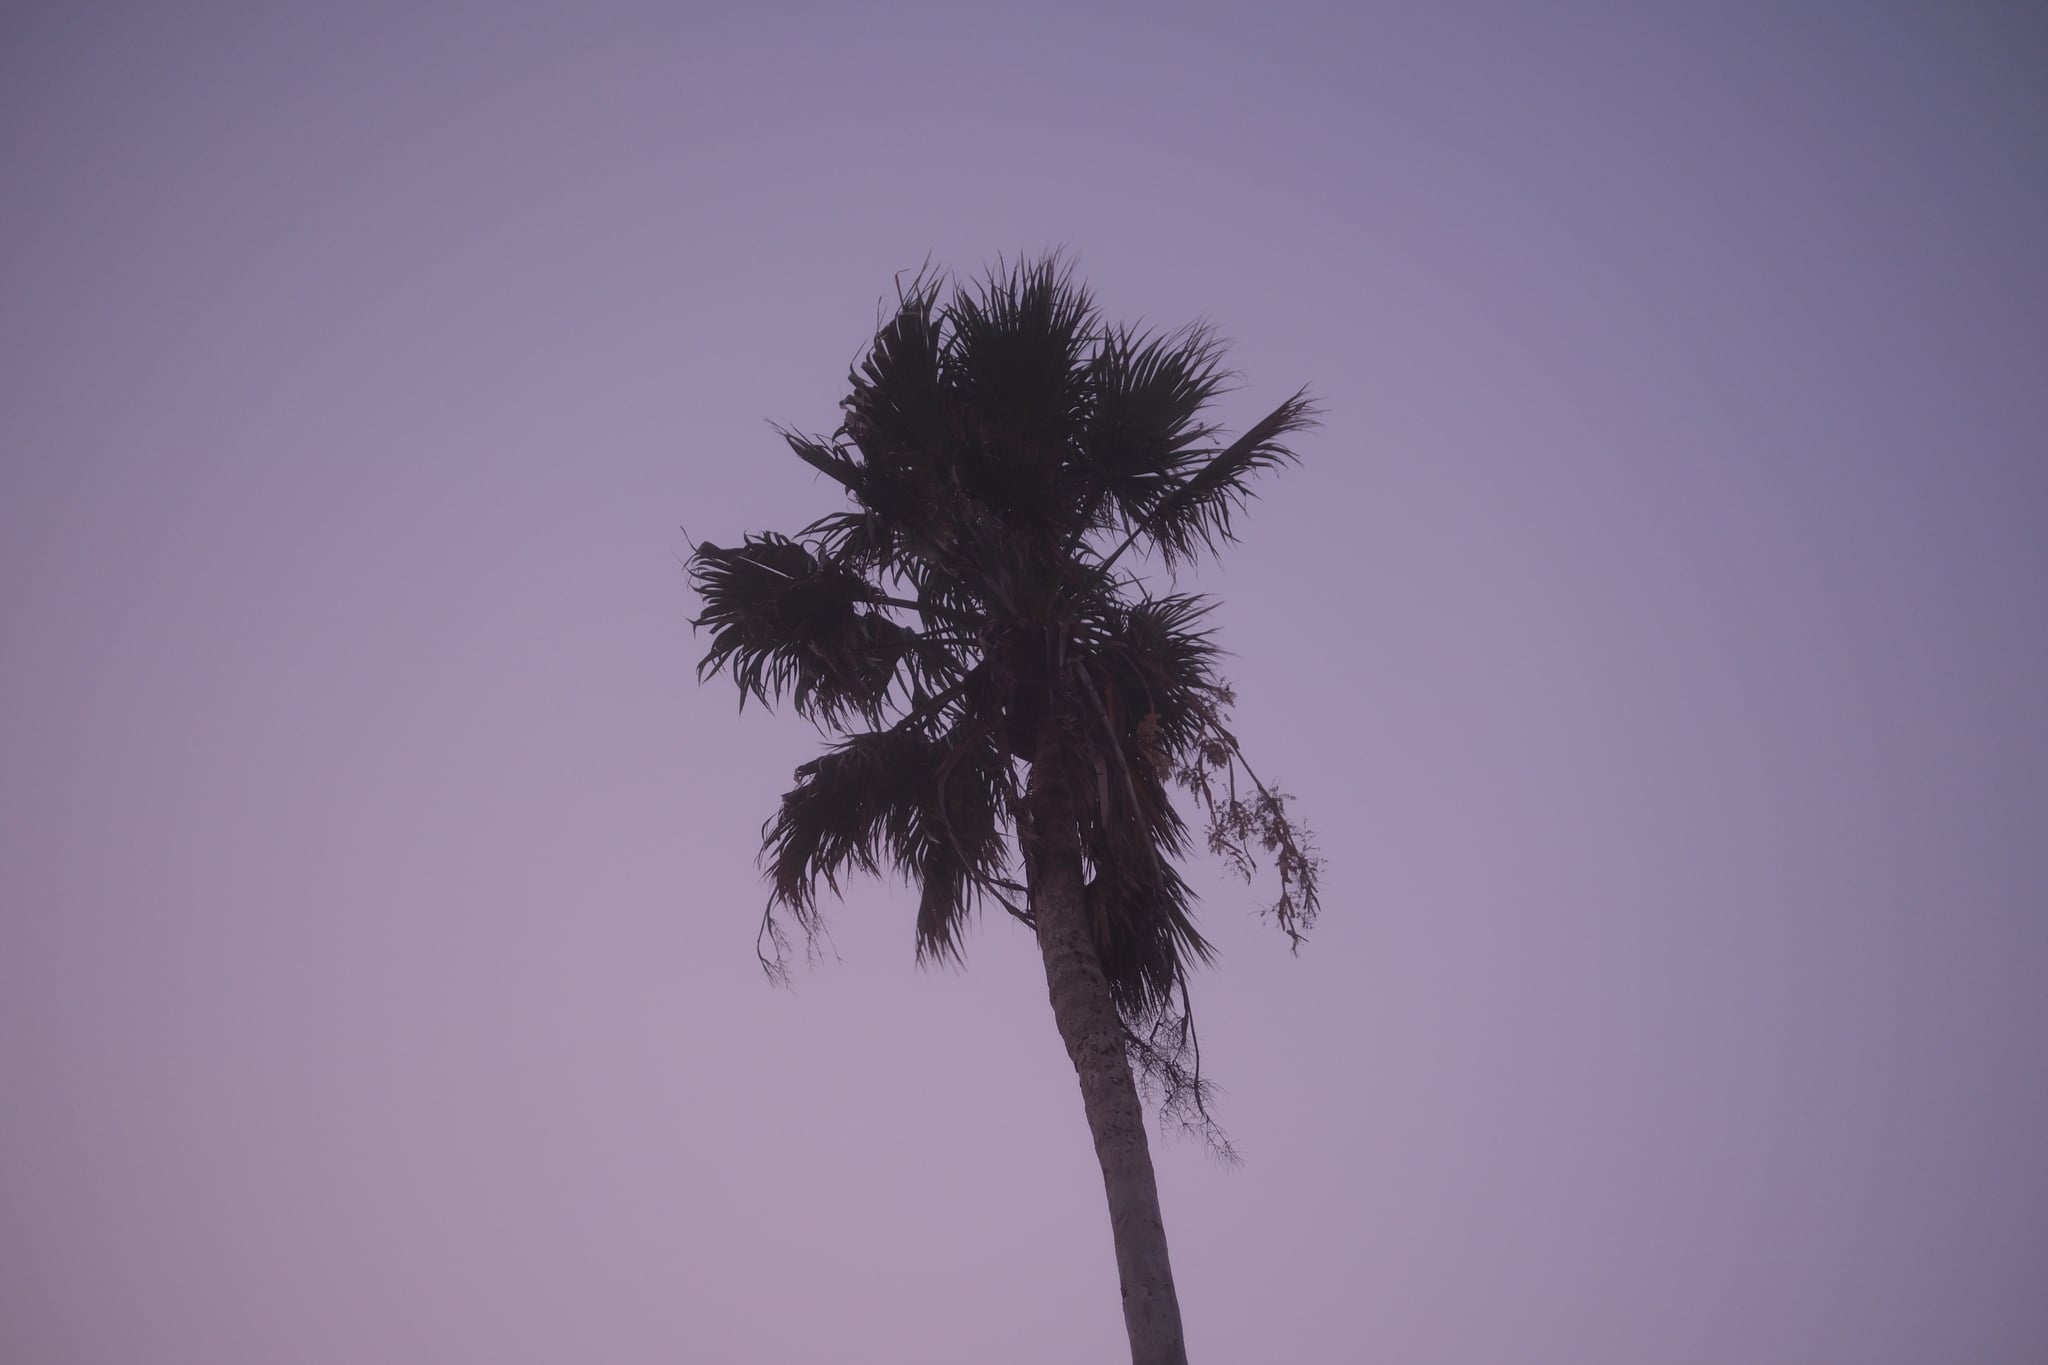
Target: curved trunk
1094	1035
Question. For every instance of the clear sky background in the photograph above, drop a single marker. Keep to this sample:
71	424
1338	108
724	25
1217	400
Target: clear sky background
1656	634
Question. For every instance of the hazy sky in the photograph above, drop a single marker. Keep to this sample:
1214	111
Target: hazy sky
1655	634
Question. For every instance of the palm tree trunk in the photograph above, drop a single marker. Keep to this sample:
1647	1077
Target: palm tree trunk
1088	1023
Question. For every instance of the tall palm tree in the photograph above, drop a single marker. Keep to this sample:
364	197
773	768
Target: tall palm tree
1012	698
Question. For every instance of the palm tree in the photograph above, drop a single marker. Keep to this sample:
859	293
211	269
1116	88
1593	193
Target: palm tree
1011	698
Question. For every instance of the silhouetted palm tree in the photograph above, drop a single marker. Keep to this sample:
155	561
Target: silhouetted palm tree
1013	699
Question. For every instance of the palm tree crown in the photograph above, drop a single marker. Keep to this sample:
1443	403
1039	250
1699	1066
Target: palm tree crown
972	630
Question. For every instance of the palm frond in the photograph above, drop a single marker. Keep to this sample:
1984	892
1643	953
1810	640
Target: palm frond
785	623
1017	356
897	410
963	850
849	806
928	808
825	457
1195	517
1148	392
1158	660
1147	938
1141	908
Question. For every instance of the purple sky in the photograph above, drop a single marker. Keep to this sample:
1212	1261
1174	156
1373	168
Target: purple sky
1655	635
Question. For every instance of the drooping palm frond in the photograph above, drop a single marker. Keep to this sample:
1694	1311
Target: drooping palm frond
1159	662
1143	907
930	808
1092	767
787	623
1148	941
964	831
850	807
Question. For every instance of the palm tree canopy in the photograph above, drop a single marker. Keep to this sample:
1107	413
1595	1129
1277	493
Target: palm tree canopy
972	615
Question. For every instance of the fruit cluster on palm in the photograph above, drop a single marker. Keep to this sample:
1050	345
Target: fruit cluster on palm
1014	704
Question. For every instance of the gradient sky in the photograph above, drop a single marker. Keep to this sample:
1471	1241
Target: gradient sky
1655	635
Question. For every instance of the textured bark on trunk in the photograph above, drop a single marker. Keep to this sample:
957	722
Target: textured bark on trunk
1086	1015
